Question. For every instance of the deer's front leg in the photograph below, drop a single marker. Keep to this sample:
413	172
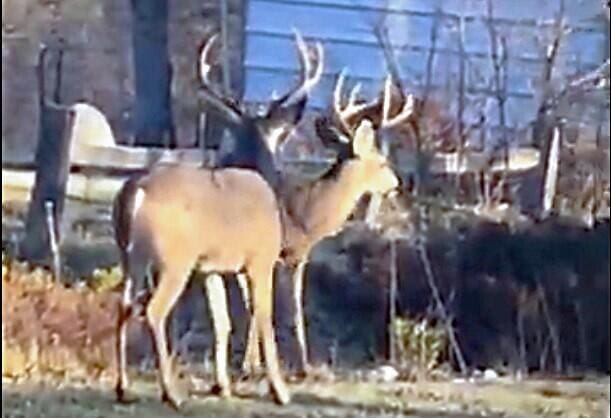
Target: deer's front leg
298	278
263	294
217	303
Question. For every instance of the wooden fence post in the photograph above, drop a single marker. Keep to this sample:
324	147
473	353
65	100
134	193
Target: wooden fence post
52	168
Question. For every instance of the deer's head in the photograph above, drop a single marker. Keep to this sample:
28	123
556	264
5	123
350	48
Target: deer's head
363	148
378	175
262	132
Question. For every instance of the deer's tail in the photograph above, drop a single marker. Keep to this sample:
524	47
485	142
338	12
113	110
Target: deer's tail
124	206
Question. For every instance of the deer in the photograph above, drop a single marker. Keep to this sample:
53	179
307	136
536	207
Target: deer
305	219
258	136
427	116
320	209
209	208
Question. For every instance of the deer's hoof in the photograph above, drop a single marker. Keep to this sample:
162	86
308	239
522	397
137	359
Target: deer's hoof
122	396
302	374
172	400
281	395
222	391
252	374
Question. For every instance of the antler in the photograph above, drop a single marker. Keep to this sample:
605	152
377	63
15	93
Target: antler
352	110
310	74
204	65
406	111
213	96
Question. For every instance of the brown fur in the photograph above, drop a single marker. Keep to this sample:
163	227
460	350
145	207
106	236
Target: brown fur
320	210
185	219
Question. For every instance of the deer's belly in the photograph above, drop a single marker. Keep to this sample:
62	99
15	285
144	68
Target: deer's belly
220	260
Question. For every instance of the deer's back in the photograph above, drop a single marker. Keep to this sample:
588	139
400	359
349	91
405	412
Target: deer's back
228	215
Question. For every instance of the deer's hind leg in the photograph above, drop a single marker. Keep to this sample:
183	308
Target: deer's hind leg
172	282
251	364
133	273
123	314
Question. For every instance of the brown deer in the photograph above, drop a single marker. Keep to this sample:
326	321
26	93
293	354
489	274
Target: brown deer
427	121
258	136
177	218
320	209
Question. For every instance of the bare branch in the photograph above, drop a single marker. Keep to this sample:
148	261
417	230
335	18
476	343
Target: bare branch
381	33
460	111
422	229
551	173
430	60
552	326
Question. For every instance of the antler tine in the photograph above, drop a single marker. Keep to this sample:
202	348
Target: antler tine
302	48
354	93
406	111
352	109
214	98
204	65
310	76
387	97
337	91
320	53
310	79
337	99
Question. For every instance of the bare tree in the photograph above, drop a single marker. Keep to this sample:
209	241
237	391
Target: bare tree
153	122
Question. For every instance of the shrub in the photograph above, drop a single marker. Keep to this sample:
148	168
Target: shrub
103	280
421	346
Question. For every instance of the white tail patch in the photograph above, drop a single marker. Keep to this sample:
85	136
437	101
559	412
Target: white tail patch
138	200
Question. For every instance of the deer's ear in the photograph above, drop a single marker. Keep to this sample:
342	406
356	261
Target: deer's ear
364	139
333	139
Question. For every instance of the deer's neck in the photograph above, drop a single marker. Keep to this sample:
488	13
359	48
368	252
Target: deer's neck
250	151
321	210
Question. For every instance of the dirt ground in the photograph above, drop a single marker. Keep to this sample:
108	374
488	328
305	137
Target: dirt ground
58	362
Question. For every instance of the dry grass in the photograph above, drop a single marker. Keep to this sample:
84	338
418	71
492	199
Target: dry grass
52	329
339	399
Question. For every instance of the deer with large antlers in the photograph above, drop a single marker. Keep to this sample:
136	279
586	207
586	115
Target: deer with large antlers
320	209
177	218
258	136
426	121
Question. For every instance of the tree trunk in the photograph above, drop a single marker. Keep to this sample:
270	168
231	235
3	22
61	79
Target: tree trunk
153	122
